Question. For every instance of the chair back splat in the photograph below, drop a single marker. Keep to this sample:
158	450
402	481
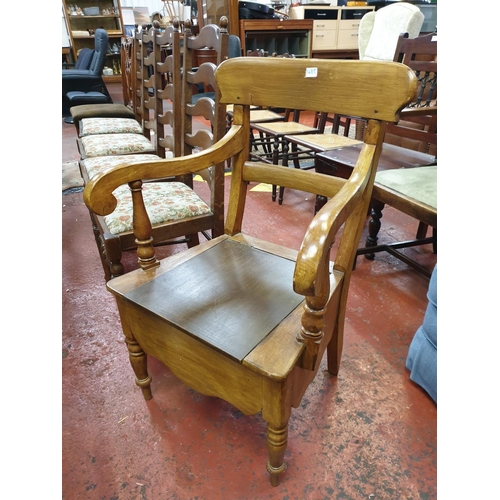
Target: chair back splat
168	89
239	317
148	88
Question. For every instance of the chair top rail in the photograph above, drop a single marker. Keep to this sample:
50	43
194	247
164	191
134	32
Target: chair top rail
388	86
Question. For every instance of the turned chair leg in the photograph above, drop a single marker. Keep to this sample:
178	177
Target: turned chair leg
374	226
277	439
139	362
276	412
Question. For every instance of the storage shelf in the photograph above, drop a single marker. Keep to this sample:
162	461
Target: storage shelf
112	23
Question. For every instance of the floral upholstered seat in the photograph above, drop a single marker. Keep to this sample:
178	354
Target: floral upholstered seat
97	126
165	201
114	144
93	166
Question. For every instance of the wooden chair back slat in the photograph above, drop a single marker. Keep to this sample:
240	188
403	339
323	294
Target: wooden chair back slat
148	83
168	84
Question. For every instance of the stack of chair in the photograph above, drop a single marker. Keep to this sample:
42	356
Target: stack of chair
109	139
176	211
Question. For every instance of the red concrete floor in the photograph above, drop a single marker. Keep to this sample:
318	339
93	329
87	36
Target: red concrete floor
369	433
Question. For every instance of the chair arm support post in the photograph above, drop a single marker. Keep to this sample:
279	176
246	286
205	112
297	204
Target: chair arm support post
142	229
311	333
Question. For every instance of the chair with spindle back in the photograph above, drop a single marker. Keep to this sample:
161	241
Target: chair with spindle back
239	317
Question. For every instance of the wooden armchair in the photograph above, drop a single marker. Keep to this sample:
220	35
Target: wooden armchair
238	317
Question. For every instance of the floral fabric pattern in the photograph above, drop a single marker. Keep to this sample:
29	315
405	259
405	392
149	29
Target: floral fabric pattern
100	164
97	126
115	144
164	201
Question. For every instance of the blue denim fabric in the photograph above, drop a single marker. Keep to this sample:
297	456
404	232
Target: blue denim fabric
422	354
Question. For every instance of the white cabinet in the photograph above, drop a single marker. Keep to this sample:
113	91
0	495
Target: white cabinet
349	27
334	28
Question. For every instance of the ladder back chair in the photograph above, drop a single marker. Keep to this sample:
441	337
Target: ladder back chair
127	143
137	76
203	116
148	82
206	105
239	317
177	212
114	118
126	61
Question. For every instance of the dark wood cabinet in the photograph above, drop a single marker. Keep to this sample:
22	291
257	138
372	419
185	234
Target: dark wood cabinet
277	36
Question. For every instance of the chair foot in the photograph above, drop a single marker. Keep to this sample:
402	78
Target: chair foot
275	473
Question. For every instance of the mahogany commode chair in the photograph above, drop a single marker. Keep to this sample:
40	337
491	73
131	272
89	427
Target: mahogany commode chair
238	317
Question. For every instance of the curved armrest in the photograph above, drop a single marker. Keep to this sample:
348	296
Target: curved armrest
311	268
98	194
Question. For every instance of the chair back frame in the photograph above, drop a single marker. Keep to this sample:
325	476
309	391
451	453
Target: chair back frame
420	55
213	37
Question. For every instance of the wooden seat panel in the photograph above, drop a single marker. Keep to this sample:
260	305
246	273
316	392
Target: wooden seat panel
222	306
